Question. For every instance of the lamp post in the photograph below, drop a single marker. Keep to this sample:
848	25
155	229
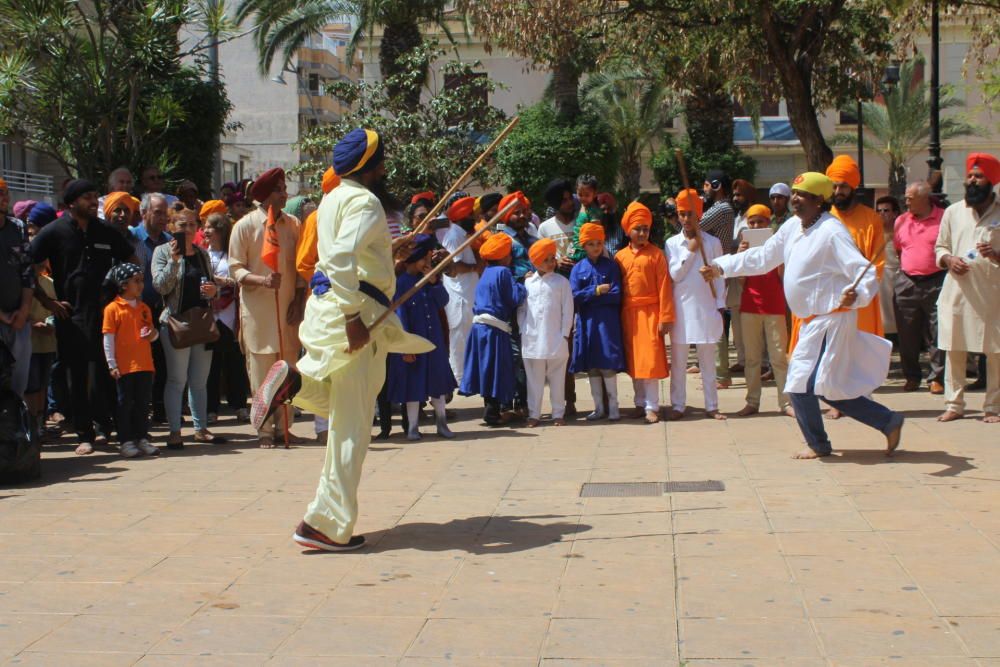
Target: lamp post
861	143
935	161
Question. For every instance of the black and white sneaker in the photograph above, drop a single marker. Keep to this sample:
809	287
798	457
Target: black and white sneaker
279	387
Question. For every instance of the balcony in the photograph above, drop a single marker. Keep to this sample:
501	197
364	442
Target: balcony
28	183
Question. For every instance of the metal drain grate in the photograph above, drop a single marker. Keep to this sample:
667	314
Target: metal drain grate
646	489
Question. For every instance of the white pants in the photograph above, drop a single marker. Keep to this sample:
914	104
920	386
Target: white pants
321	424
955	381
461	294
540	371
678	380
647	394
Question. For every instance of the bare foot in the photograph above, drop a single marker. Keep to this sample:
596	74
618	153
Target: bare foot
652	417
807	454
991	418
675	415
747	411
723	384
892	440
833	413
948	416
266	442
532	423
789	412
558	422
715	414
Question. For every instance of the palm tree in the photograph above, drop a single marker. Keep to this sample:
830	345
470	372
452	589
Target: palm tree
637	109
283	26
898	127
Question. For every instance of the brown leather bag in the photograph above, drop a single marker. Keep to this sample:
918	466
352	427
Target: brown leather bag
195	325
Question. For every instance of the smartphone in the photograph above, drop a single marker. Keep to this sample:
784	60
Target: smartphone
181	240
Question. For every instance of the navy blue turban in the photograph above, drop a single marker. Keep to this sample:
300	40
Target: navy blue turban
358	152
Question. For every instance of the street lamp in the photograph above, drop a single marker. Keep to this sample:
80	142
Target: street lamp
935	161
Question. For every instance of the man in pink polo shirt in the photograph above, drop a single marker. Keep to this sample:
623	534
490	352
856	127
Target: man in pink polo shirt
918	285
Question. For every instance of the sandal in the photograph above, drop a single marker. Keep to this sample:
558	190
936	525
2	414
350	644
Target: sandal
174	441
209	438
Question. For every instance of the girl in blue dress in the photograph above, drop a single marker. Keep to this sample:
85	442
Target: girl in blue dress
597	339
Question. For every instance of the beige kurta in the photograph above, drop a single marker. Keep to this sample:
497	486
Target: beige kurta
969	305
258	320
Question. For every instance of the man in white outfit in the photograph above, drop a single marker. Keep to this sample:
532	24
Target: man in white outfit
832	360
460	281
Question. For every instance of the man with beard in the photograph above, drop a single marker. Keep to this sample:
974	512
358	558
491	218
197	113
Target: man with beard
778	195
268	333
559	228
119	180
834	360
341	373
968	245
460	281
81	250
719	221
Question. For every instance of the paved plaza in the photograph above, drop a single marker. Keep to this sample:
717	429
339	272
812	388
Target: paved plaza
482	552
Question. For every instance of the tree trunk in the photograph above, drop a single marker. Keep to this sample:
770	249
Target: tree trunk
566	89
631	173
802	115
398	41
708	115
897	180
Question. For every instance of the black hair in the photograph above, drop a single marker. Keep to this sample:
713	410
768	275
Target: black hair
586	181
892	201
554	191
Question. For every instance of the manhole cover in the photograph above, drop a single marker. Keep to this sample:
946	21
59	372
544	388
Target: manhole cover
647	489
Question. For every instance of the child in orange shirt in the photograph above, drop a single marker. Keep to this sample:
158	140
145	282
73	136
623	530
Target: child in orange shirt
647	310
128	333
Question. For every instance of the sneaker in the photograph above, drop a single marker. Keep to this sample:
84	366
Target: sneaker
280	385
413	434
307	536
594	416
148	448
242	415
129	450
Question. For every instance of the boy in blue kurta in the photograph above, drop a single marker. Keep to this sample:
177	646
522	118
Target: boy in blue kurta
489	359
598	351
415	378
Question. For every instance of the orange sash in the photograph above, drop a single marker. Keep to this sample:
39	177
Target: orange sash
797	323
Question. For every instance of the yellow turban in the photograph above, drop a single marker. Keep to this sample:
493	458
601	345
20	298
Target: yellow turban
496	247
210	207
690	200
636	214
116	199
591	232
814	183
759	209
541	250
844	169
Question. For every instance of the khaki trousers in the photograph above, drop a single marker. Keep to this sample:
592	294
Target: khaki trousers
760	331
350	398
954	382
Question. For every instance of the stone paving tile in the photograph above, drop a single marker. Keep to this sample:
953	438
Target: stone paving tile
482	552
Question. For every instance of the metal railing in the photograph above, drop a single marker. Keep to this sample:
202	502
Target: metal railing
27	181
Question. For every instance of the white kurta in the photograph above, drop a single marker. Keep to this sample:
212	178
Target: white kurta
821	263
696	312
969	305
546	317
461	295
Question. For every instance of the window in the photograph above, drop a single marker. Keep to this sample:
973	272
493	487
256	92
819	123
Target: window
847	118
314	84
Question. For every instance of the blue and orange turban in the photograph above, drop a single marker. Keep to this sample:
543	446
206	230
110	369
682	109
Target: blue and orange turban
358	152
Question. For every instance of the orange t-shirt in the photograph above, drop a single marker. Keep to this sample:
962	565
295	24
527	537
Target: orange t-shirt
133	354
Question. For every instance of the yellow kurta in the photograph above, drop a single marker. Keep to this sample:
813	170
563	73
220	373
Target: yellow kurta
865	226
259	321
969	305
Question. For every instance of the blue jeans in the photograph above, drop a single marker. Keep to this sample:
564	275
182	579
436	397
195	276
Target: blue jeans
189	365
863	409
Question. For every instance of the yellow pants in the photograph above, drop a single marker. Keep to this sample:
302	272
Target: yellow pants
348	397
954	382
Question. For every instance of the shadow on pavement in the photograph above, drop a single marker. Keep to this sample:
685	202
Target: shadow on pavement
953	465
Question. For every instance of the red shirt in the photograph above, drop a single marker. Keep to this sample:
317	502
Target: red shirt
763	295
914	240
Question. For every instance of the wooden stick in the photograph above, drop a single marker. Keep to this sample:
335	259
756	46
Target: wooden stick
441	266
419	229
281	351
871	263
701	245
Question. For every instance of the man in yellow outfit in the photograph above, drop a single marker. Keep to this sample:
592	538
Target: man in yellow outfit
344	365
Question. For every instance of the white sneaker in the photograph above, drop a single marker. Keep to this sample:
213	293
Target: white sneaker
129	450
148	448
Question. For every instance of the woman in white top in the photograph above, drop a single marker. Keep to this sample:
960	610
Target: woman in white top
227	357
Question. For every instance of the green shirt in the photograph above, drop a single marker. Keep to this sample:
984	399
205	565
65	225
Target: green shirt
592	213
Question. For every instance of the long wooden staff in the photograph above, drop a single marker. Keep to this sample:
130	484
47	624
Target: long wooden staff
419	229
701	244
441	266
871	263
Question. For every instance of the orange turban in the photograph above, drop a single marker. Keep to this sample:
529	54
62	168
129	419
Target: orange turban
3	184
636	214
210	207
497	247
423	196
116	199
514	196
461	209
759	209
591	232
541	250
844	169
987	163
330	180
690	200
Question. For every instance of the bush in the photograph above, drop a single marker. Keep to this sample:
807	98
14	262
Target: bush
664	165
544	147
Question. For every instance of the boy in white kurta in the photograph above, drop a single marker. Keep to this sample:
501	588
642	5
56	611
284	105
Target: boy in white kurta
460	280
698	314
833	360
545	320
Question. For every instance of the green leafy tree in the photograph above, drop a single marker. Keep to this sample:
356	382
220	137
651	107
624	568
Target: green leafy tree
427	145
698	161
897	127
283	26
637	109
100	84
546	145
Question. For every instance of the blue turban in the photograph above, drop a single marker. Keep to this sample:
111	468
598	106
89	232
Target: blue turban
41	214
423	244
359	151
